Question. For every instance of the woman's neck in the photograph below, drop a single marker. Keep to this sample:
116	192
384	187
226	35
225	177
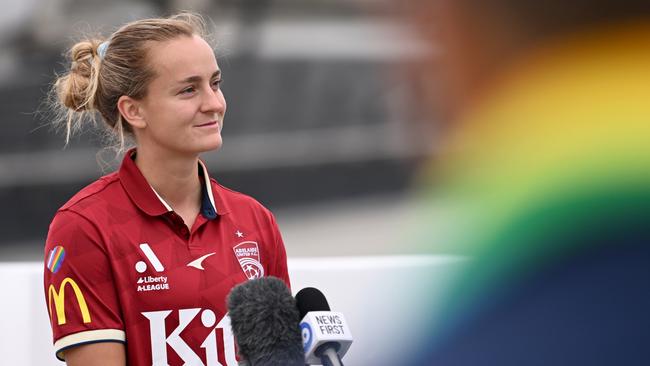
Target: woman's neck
174	178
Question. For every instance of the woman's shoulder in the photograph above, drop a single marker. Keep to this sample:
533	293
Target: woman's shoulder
231	199
92	193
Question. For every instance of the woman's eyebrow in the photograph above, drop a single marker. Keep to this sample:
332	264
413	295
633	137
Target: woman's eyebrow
196	78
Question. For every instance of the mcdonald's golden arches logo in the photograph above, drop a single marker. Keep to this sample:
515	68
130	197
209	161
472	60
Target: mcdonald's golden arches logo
59	301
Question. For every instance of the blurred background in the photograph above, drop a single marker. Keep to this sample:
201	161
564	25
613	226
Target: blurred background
320	125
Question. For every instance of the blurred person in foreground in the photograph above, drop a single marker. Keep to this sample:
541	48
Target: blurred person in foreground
543	183
138	264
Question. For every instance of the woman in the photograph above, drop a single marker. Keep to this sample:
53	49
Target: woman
138	264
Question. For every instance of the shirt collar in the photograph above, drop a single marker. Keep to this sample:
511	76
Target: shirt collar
148	200
208	207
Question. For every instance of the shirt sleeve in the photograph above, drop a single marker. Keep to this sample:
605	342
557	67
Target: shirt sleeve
79	288
279	268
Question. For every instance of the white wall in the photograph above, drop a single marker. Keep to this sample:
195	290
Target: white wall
377	295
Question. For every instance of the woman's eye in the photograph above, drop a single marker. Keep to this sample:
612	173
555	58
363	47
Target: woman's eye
187	90
216	83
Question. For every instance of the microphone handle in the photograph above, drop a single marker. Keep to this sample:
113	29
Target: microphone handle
330	357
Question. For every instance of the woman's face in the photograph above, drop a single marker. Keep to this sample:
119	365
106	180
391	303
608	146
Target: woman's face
184	107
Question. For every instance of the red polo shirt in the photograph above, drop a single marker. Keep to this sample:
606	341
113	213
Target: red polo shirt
121	266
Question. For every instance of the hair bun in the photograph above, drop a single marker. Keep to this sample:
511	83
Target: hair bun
83	55
76	90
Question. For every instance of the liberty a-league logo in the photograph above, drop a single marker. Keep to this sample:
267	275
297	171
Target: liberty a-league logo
248	255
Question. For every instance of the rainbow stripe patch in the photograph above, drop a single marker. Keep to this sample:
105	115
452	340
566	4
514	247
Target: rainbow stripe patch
55	258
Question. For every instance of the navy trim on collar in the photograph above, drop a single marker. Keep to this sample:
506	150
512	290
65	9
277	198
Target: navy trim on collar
207	208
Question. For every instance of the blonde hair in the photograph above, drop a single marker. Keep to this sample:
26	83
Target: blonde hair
95	82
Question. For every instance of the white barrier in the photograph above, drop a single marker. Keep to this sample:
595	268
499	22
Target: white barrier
377	295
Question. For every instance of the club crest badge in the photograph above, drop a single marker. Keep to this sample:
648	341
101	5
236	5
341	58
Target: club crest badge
248	255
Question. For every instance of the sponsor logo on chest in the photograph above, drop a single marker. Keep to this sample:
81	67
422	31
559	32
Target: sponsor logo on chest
163	339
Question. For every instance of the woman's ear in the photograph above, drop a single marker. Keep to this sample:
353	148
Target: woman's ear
131	112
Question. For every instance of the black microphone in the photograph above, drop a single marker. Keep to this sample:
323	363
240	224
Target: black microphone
265	323
325	334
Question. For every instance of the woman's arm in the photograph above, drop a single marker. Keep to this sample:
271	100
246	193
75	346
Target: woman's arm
79	288
96	354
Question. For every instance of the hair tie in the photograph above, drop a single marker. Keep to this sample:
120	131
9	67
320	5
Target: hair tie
101	49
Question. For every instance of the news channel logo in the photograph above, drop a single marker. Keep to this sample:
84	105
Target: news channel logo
307	336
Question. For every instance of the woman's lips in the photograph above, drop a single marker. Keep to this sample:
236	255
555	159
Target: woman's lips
207	124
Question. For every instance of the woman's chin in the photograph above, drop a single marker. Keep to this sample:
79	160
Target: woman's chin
214	144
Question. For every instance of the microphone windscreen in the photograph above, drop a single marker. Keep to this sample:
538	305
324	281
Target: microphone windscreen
265	323
311	299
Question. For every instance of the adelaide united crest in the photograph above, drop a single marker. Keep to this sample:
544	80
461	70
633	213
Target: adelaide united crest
248	255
